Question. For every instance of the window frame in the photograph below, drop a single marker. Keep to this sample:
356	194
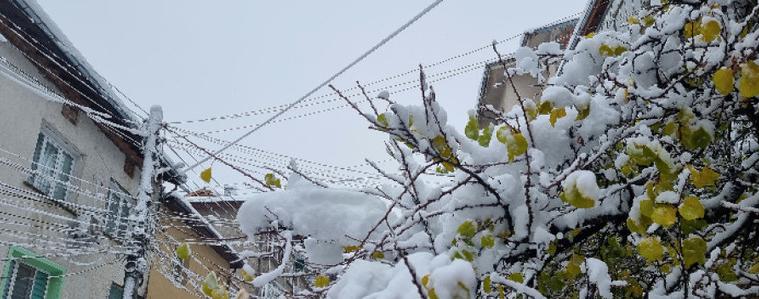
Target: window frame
54	176
124	204
29	258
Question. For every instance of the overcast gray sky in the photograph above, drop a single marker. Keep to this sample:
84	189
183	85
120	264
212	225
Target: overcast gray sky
206	58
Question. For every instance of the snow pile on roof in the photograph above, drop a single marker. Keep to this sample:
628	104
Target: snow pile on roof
38	14
2	38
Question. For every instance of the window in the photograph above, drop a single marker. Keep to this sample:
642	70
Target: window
28	276
53	164
117	292
119	204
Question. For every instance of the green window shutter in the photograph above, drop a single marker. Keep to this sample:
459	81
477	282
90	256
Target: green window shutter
41	269
116	292
40	285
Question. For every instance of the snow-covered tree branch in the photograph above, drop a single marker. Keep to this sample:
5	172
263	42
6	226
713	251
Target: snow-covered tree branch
634	174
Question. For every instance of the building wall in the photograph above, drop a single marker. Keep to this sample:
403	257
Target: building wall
204	260
24	111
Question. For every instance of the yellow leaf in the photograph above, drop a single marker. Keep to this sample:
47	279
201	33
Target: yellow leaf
431	294
754	269
648	21
711	30
350	248
378	255
723	80
633	20
748	85
321	281
425	280
664	215
705	177
692	29
582	113
691	208
605	50
556	114
650	248
205	175
545	107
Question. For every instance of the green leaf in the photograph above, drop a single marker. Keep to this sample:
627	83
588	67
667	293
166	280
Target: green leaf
690	226
183	252
485	137
650	249
647	207
472	129
467	229
272	181
573	266
726	272
694	251
209	284
518	277
517	146
487	241
574	197
382	120
487	285
691	208
635	227
664	215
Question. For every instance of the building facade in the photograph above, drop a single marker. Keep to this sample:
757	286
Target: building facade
70	159
496	90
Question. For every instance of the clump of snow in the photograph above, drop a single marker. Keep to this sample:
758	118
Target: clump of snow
322	214
585	182
368	279
598	274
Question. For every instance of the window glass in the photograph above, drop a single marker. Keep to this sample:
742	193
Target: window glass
26	282
53	165
119	204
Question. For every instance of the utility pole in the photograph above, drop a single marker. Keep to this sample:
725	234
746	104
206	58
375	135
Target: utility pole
140	233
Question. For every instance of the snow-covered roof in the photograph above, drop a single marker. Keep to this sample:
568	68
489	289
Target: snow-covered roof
2	38
34	11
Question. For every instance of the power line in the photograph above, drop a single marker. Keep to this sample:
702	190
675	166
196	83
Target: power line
273	109
350	65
